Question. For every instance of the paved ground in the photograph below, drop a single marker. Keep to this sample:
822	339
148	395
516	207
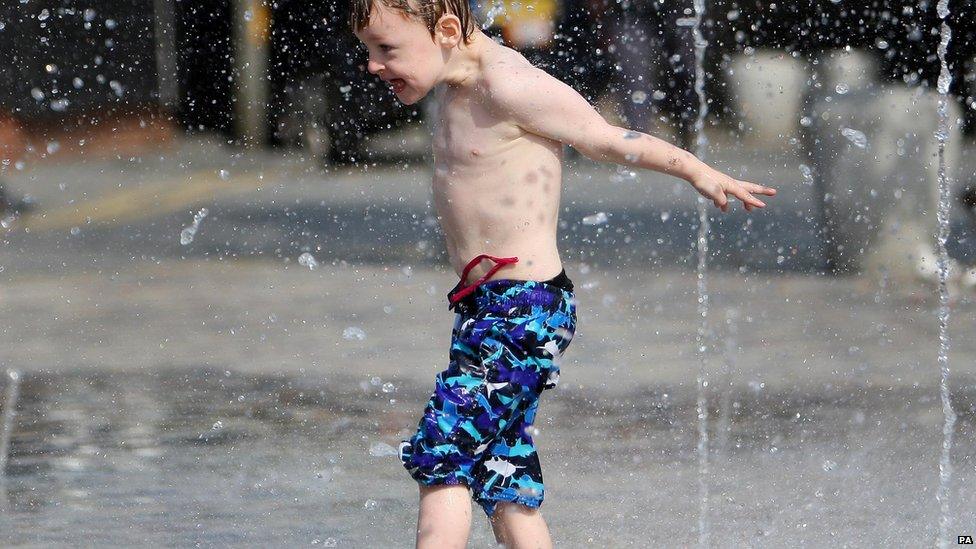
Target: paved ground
636	327
128	339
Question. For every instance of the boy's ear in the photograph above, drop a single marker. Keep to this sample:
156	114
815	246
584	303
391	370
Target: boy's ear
447	31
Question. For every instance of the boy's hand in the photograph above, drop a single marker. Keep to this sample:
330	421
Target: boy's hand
715	186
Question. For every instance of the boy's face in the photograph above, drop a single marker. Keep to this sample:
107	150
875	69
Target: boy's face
402	52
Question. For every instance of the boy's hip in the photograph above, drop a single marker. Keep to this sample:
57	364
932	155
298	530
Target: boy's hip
514	299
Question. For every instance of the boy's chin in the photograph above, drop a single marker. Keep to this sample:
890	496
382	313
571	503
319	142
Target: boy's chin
409	97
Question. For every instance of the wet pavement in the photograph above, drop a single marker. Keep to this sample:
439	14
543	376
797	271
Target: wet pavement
207	457
221	392
180	402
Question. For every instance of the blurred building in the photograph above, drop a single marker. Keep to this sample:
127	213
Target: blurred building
130	74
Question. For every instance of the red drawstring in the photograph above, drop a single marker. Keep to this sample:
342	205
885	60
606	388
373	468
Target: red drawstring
499	263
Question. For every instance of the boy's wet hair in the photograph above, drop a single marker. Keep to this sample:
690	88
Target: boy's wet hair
428	11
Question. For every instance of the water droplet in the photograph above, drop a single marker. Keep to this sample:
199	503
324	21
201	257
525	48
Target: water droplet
60	105
658	95
497	8
308	260
37	94
598	218
43	15
370	504
78	83
89	15
110	24
75	231
806	121
665	216
188	233
842	88
217	425
806	171
353	333
638	97
388	387
856	137
623	173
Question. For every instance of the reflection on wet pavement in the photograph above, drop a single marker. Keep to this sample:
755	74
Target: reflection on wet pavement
209	457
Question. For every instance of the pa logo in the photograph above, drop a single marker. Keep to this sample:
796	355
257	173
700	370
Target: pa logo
964	540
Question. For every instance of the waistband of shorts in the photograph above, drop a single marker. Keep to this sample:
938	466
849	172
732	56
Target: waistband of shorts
504	293
560	281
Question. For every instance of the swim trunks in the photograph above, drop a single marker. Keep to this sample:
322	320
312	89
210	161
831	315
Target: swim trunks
477	427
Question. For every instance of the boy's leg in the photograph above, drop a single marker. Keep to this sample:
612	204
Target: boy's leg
445	516
517	526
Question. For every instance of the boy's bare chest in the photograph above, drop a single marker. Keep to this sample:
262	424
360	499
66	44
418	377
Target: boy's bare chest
467	133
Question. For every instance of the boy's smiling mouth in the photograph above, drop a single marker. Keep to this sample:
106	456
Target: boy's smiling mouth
398	84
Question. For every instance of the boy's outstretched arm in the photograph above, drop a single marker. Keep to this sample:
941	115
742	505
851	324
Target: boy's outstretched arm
543	105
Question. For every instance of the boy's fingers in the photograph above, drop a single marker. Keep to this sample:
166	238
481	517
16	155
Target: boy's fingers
758	189
747	198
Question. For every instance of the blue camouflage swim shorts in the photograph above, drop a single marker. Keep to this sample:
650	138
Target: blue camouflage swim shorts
477	427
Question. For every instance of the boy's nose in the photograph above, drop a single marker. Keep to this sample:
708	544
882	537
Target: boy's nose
373	67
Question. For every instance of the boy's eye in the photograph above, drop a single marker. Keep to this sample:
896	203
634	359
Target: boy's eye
385	47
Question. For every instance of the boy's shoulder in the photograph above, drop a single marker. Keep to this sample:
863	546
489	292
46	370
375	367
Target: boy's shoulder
505	72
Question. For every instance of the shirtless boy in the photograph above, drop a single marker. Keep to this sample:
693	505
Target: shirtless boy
500	128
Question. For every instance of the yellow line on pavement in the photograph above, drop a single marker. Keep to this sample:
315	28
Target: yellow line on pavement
145	201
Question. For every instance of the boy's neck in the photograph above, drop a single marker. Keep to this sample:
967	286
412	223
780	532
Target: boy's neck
464	61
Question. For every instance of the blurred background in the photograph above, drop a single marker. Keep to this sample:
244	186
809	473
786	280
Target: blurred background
223	287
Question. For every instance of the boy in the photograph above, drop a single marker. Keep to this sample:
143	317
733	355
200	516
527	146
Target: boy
497	143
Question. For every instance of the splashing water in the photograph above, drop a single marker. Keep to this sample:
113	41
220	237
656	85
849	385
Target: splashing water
188	233
942	134
7	425
724	424
701	337
598	218
621	174
308	260
497	8
856	137
807	173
